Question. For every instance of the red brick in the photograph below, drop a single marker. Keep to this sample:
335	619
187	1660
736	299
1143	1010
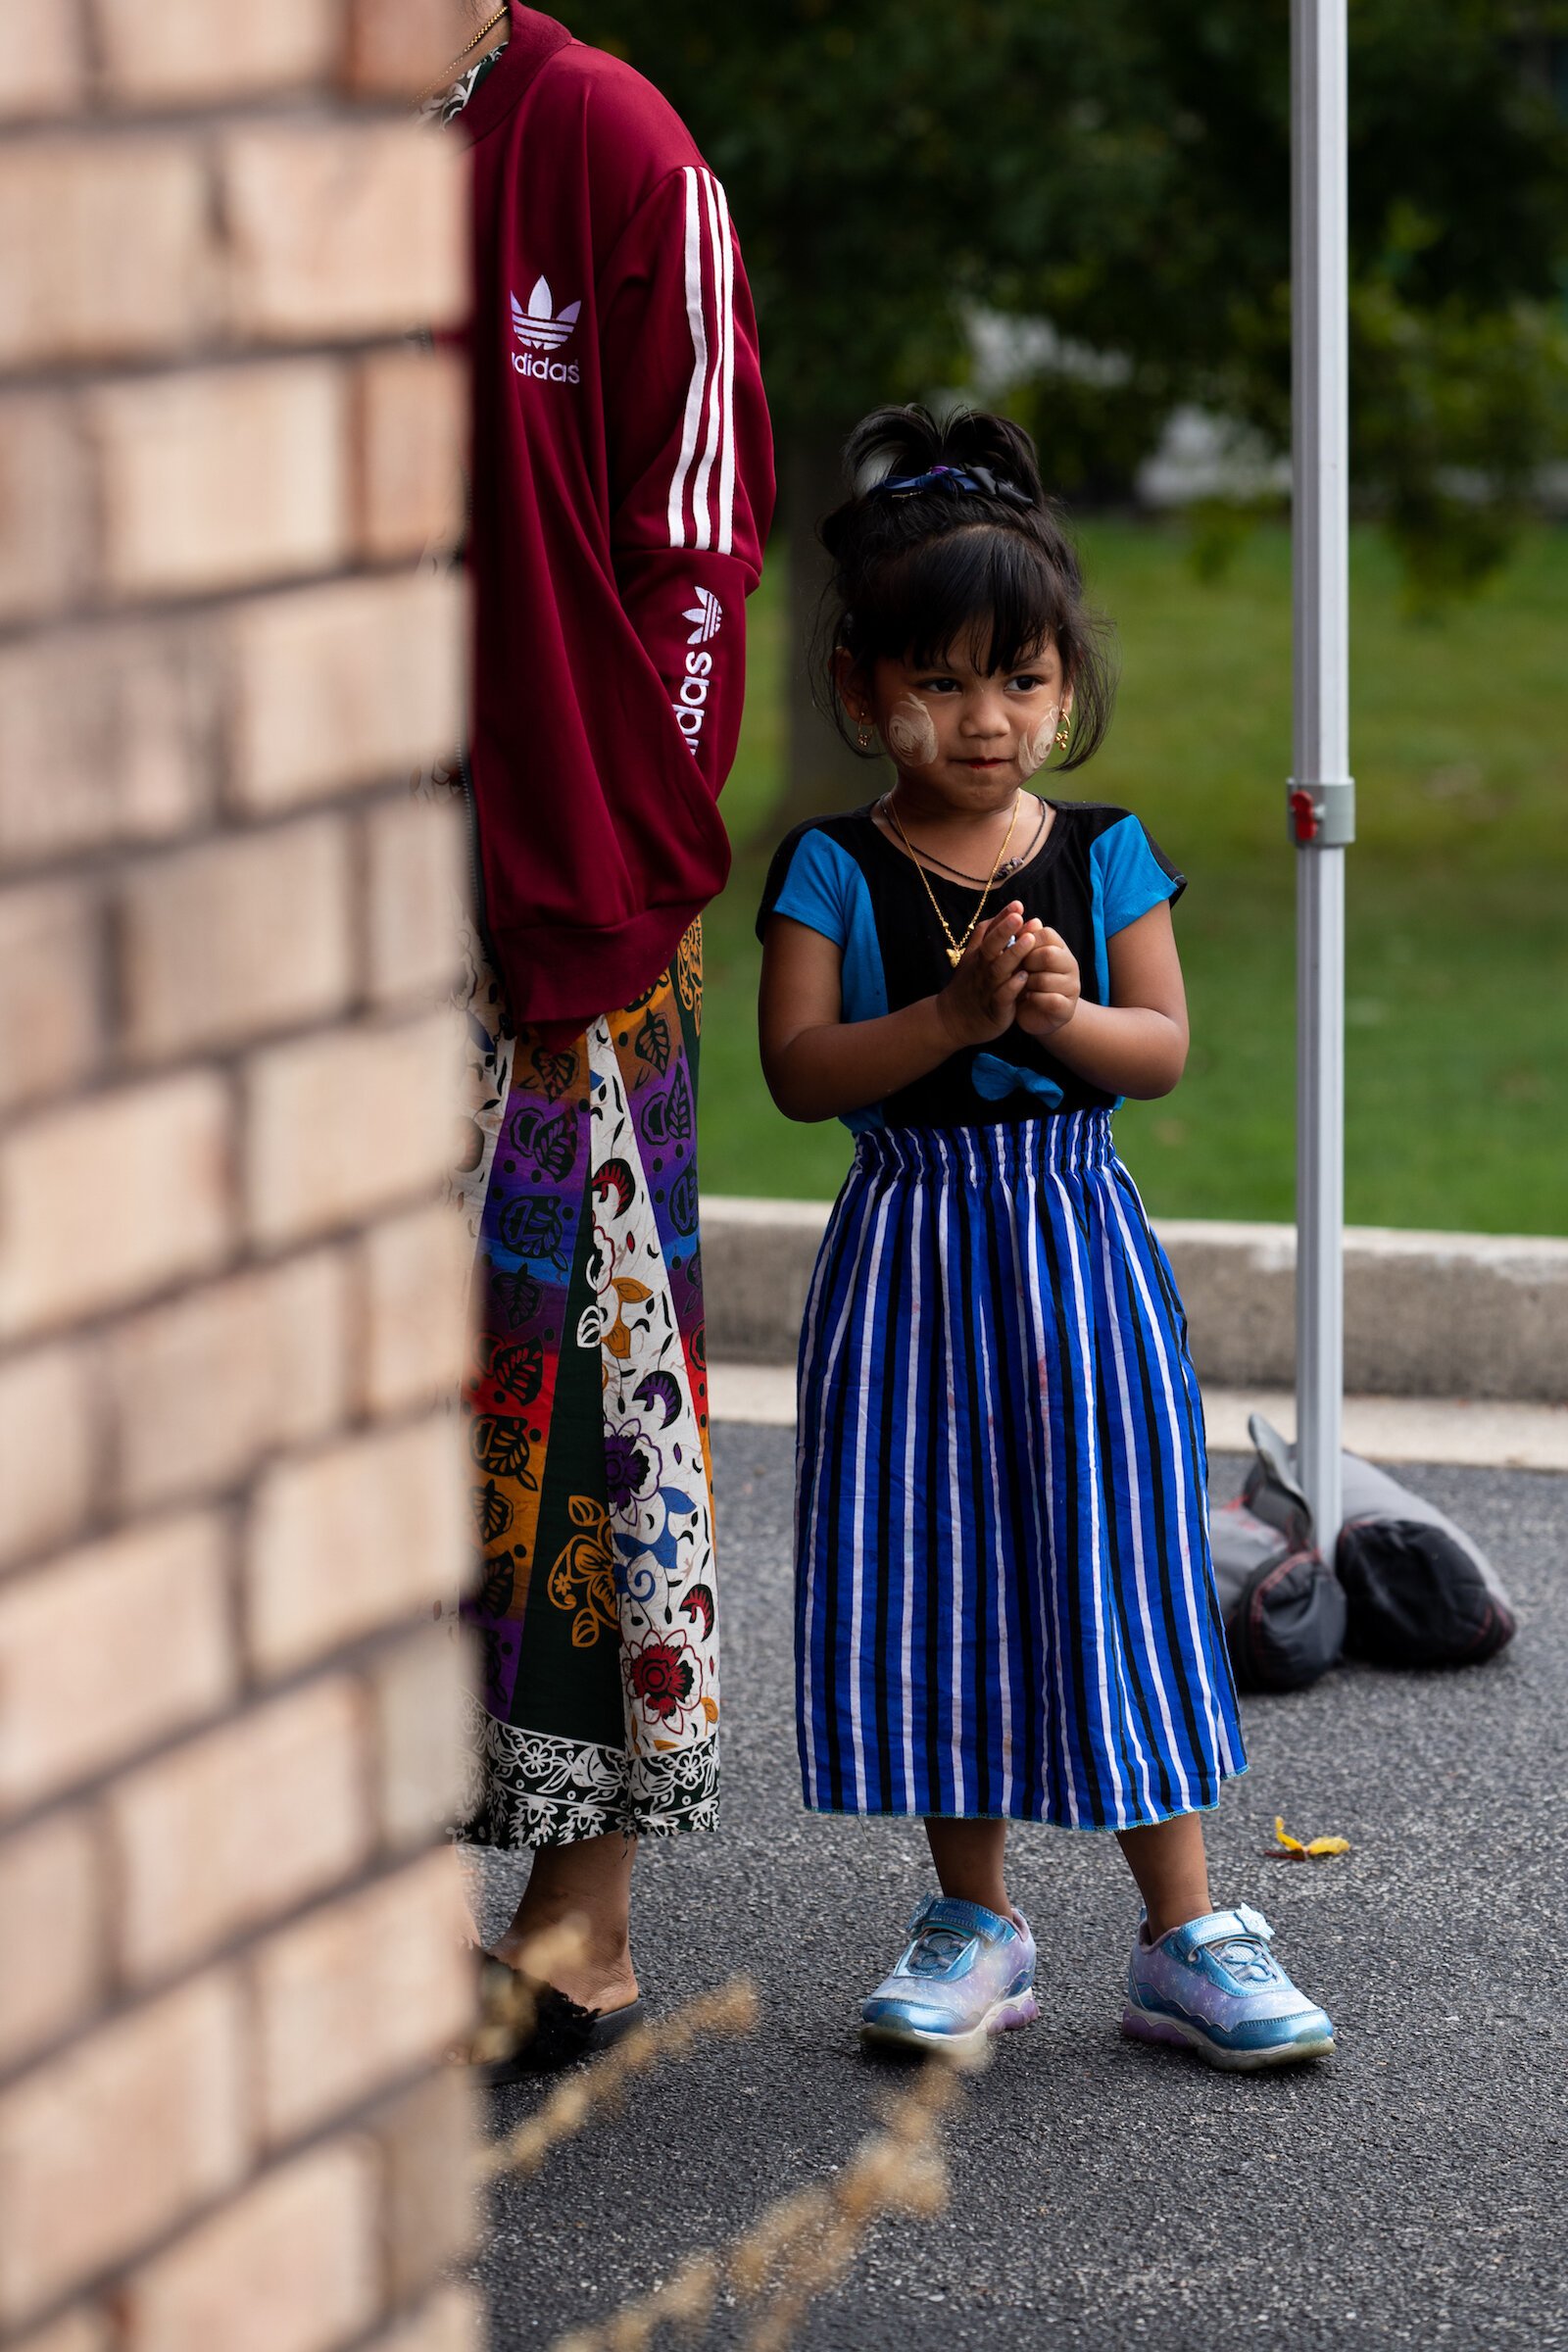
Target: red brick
41	59
410	446
200	1389
109	1649
335	230
49	989
230	1829
104	1203
105	249
418	1693
84	2330
44	532
340	687
430	2201
414	1285
220	478
290	2267
223	943
50	1448
353	1538
118	2140
51	1968
398	48
106	737
186	52
374	1987
342	1124
416	858
452	2321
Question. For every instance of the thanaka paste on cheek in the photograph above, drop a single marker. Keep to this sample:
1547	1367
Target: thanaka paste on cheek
1035	750
911	733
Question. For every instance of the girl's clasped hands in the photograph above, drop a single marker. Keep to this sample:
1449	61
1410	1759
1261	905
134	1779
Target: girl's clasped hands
1014	970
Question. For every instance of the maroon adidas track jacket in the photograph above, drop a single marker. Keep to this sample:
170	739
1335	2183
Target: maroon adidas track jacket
622	490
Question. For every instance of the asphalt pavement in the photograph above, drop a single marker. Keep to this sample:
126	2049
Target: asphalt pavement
1411	2190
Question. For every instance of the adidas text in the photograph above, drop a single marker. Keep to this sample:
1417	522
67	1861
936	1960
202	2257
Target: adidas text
707	618
546	371
691	707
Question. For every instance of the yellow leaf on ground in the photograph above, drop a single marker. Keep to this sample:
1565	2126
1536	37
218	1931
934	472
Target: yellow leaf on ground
1291	1849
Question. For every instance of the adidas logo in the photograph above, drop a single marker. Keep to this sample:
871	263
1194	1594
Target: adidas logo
707	618
538	326
539	329
690	705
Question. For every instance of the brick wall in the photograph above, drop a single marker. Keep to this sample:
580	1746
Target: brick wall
229	1305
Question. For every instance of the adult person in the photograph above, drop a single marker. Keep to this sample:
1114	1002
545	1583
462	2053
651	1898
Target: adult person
621	491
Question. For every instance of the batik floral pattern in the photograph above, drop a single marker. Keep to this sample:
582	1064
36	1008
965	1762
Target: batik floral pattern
583	1577
547	1791
656	1445
582	1186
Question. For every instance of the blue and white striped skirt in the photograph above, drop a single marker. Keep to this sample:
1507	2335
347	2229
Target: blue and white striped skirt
1005	1600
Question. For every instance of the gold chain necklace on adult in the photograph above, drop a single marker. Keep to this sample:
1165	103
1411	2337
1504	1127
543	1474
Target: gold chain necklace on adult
955	946
468	46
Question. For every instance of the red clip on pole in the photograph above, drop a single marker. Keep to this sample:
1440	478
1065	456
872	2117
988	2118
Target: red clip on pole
1304	822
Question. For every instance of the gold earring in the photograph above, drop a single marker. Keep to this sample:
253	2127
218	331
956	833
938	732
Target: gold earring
1064	731
865	736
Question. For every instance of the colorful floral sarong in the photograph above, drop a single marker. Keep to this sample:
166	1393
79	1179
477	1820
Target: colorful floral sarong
587	1411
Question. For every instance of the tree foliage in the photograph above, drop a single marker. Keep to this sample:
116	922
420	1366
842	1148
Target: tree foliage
1123	171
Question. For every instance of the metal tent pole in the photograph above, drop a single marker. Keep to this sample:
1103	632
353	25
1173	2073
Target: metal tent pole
1321	794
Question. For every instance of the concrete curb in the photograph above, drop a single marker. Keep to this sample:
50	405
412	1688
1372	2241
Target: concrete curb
1452	1430
1426	1314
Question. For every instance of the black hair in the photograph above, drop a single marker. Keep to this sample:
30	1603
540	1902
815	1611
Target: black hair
917	571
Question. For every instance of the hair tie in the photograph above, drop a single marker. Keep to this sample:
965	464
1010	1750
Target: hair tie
974	479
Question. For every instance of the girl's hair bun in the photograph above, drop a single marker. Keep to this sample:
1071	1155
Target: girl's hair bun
947	532
893	442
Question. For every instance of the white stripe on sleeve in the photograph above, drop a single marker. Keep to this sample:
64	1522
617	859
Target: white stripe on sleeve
702	490
697	320
726	470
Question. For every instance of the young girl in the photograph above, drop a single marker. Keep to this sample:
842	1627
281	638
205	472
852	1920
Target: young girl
1005	1605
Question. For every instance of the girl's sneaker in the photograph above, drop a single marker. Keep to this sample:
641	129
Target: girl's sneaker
964	1974
1214	1987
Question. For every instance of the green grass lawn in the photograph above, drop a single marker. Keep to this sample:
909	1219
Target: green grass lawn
1456	1101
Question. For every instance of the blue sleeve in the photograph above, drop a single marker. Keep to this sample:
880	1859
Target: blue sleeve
1132	874
815	881
812	889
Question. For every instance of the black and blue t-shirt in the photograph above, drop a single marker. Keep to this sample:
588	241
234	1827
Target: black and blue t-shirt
1097	871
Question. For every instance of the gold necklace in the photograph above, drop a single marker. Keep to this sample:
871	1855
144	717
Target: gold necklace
1011	865
469	45
955	946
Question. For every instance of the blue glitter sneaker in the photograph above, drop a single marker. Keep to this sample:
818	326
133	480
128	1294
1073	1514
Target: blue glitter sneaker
964	1974
1214	1987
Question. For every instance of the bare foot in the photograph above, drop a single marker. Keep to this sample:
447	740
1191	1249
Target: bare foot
602	1978
589	1882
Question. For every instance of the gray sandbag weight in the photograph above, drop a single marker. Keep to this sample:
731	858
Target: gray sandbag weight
1418	1590
1281	1608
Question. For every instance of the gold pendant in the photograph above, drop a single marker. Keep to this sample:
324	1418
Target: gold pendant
955	956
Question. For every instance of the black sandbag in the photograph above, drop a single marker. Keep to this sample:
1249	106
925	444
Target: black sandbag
1420	1591
1281	1608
